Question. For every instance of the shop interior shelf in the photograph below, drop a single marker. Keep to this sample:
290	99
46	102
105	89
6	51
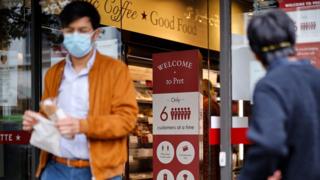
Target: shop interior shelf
145	175
143	101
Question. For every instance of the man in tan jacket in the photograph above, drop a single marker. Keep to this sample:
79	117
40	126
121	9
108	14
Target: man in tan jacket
97	94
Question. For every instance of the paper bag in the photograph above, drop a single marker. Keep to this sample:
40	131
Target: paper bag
46	136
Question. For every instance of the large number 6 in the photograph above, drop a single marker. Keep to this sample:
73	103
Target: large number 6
164	114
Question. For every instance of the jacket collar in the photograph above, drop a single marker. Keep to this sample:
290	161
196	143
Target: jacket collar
278	62
62	65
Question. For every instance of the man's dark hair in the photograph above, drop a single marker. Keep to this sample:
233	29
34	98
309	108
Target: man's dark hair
272	35
77	10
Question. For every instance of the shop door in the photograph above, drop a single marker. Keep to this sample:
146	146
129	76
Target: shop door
246	71
15	89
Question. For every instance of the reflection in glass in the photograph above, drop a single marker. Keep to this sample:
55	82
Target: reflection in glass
15	83
15	75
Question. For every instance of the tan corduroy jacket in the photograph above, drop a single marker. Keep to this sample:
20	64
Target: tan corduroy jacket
112	114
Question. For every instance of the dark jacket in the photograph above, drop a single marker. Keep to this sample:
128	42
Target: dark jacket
285	124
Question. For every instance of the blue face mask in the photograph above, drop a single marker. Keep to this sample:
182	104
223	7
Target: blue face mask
78	44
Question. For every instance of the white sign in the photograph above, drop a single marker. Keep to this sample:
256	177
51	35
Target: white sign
246	72
308	24
177	113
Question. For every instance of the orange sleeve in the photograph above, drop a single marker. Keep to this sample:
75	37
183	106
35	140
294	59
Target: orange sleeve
123	115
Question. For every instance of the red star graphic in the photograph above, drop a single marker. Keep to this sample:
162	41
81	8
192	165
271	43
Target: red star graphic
144	15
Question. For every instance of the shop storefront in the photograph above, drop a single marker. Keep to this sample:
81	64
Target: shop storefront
138	32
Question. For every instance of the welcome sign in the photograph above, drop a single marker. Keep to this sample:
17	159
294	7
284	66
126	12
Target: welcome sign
177	110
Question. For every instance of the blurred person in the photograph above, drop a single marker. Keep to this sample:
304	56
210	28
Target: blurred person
97	94
285	124
209	96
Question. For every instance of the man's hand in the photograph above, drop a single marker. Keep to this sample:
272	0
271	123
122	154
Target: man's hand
276	176
68	126
28	120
